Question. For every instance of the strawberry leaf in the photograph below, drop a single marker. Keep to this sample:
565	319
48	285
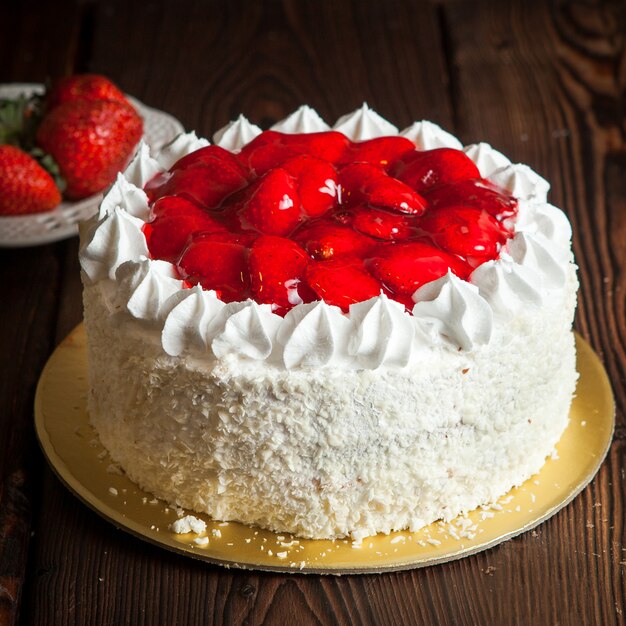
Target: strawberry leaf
19	119
50	165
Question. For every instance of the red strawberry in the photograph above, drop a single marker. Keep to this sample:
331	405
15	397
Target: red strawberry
379	151
317	183
403	267
264	152
90	141
481	194
425	169
363	183
176	221
327	146
207	181
392	194
271	205
25	187
243	239
466	231
83	87
325	240
379	223
174	206
271	148
277	268
217	265
341	282
212	155
354	180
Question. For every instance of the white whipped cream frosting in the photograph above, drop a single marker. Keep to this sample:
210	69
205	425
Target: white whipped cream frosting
108	242
180	146
187	327
126	196
429	136
487	159
145	287
235	135
363	124
449	313
247	329
314	335
143	167
456	309
303	120
383	333
521	181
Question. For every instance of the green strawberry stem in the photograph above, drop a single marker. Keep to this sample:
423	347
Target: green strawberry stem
19	121
50	165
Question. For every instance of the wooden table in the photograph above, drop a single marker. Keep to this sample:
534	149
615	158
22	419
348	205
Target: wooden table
543	83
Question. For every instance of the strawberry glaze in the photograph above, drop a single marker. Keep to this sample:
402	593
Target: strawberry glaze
296	218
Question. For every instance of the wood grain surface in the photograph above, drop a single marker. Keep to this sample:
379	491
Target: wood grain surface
544	82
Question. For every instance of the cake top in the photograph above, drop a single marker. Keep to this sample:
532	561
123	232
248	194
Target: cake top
358	235
297	217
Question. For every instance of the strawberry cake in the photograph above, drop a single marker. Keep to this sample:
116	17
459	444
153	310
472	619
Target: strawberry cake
329	332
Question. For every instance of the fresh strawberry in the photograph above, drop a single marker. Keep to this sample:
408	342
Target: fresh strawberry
341	282
425	169
271	148
207	181
478	193
25	187
471	233
277	268
364	183
380	151
176	220
317	183
324	240
82	87
379	223
403	267
217	265
91	141
271	204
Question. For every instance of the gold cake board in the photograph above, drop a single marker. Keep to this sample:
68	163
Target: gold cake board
72	448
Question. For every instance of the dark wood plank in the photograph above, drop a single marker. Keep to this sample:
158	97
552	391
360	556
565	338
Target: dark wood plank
264	61
38	40
26	322
546	86
31	52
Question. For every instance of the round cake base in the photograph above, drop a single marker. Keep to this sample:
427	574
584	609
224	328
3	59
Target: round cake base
73	450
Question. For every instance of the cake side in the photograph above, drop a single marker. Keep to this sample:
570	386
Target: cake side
326	423
325	453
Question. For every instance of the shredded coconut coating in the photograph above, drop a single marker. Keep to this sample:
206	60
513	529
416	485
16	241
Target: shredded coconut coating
326	452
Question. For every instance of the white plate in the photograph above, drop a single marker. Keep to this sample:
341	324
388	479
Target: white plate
62	222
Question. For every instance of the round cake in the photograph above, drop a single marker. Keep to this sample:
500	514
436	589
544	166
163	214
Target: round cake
329	332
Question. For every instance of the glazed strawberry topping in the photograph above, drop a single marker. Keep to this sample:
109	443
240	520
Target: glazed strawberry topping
277	269
295	218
